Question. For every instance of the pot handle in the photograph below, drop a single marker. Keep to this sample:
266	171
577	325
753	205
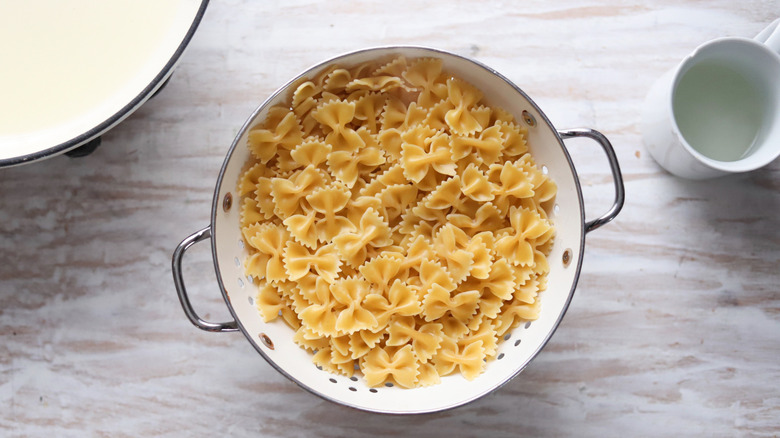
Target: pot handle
617	177
178	280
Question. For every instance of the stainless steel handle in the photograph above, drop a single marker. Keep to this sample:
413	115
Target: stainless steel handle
178	280
617	177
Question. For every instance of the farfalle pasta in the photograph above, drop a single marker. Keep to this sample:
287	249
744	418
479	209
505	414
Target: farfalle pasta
395	221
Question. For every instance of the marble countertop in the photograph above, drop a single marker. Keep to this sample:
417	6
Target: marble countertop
674	327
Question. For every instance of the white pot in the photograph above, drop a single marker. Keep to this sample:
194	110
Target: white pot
74	69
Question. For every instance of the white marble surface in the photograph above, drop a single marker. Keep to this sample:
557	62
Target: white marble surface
674	328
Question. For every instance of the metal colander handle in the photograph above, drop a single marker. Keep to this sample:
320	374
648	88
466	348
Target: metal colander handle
617	177
178	280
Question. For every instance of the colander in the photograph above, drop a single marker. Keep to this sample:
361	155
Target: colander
274	340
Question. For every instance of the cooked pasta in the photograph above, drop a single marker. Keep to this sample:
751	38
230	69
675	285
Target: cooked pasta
395	222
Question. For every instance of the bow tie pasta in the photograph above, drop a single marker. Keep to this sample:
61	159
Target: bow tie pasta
395	222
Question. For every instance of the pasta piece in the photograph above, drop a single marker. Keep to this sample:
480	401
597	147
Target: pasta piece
342	361
309	340
463	305
269	241
515	313
501	280
482	115
358	206
268	302
250	214
305	92
475	185
263	143
487	146
378	83
484	333
320	318
437	287
453	328
336	115
337	80
425	340
499	115
396	67
393	115
396	199
425	74
301	226
248	180
419	251
449	245
288	315
514	138
323	359
515	181
480	246
312	152
527	292
428	375
314	289
381	271
391	142
372	231
436	117
298	261
487	217
329	201
401	299
264	199
378	365
418	162
462	96
350	292
288	192
392	176
363	341
347	165
468	359
367	110
445	196
526	224
363	70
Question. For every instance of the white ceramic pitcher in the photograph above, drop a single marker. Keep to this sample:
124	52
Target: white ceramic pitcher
718	111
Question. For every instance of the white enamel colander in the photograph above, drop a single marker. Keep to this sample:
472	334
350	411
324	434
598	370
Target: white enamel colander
274	340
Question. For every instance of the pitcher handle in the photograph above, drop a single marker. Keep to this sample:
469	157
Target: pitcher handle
771	36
